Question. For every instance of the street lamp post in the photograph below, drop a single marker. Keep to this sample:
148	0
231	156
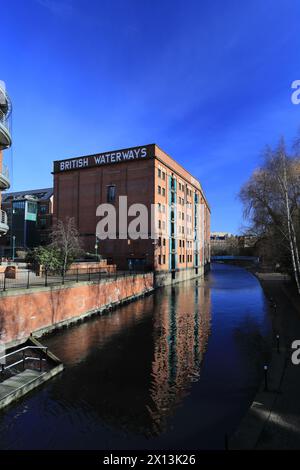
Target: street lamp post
96	248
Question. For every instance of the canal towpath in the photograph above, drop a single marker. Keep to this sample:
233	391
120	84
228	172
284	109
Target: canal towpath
273	420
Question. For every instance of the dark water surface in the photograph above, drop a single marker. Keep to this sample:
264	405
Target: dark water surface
175	370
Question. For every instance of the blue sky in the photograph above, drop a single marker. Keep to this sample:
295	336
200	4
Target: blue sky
208	81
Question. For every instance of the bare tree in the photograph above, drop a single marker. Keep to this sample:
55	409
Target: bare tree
284	171
65	238
271	200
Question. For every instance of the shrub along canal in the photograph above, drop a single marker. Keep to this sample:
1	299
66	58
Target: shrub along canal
175	370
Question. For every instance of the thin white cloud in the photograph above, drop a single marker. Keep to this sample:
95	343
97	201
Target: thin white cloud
58	7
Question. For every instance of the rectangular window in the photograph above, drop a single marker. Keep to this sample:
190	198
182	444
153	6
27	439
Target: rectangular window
111	193
159	173
159	190
163	175
43	222
159	259
31	208
164	242
163	191
164	259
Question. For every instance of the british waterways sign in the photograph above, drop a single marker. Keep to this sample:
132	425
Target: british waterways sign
117	156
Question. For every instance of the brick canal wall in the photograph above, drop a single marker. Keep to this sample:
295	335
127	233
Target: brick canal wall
42	309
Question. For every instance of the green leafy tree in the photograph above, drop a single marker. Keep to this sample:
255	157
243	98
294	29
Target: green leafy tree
48	257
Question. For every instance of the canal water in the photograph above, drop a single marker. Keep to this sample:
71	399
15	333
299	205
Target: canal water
174	370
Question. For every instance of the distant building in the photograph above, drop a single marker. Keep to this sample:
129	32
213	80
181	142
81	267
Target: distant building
215	236
5	143
247	241
29	217
223	243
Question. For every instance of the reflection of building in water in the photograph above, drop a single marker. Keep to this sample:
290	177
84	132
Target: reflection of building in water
135	366
99	331
181	333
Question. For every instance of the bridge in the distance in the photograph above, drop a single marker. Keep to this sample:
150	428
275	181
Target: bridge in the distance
237	260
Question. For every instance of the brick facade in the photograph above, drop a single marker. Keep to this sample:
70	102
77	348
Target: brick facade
79	189
41	309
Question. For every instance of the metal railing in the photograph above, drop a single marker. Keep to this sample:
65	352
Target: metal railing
24	358
27	279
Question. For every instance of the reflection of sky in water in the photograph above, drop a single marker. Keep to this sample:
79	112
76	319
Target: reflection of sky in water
173	370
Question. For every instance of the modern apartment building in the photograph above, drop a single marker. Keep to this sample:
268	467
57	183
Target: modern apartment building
5	142
29	217
177	242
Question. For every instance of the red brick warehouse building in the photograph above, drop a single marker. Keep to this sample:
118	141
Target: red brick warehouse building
146	175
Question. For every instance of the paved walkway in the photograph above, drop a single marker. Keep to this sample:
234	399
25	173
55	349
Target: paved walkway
273	421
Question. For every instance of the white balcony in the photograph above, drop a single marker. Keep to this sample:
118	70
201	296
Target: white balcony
4	178
5	138
3	223
5	110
